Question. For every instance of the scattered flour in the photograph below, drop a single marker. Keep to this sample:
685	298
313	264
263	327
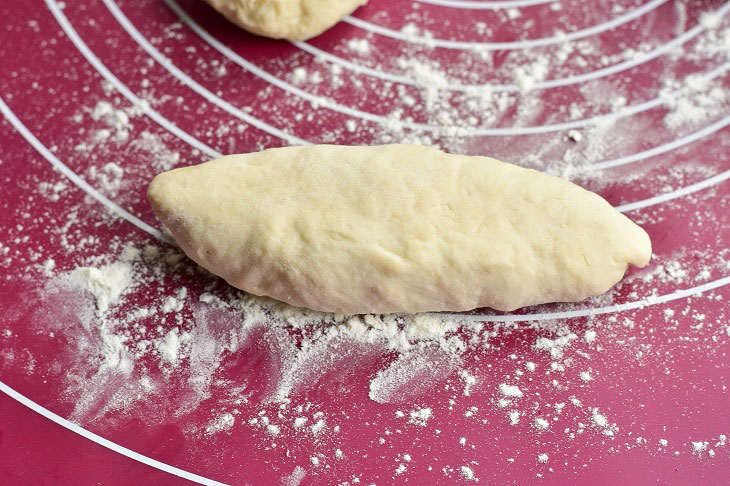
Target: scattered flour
411	374
222	422
555	346
469	381
510	391
527	76
430	77
420	416
541	424
467	473
589	336
359	46
599	420
120	349
699	447
170	346
106	284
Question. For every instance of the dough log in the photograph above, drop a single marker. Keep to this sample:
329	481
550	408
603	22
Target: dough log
395	228
294	20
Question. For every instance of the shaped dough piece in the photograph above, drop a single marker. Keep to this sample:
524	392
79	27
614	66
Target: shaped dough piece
395	228
286	19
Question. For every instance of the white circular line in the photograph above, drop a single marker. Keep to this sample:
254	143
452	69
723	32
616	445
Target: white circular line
496	5
635	61
384	75
639	304
115	208
658	150
71	175
121	87
195	86
611	163
364	115
668	196
136	456
79	43
598	166
494	46
5	110
661	149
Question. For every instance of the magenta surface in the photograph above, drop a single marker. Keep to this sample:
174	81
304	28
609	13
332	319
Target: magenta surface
657	370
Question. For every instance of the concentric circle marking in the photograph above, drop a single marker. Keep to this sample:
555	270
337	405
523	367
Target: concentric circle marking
635	61
354	112
136	456
73	177
121	87
511	45
594	311
192	84
496	5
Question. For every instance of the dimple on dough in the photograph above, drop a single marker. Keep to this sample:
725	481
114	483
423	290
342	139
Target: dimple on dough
286	19
395	228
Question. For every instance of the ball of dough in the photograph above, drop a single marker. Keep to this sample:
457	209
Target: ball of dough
286	19
395	228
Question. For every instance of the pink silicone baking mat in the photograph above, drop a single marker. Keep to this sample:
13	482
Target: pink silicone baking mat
123	363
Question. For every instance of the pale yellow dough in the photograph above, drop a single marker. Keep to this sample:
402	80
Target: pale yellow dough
286	19
395	228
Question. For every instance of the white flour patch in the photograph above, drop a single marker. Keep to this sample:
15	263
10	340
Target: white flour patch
410	375
510	391
222	422
541	424
106	284
359	46
467	473
420	416
295	478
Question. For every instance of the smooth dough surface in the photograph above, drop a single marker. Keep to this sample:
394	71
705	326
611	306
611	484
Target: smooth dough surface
286	19
395	228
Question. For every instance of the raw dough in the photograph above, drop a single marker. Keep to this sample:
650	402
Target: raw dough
286	19
395	228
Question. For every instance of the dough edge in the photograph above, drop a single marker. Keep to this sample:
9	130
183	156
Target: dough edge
312	17
287	283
